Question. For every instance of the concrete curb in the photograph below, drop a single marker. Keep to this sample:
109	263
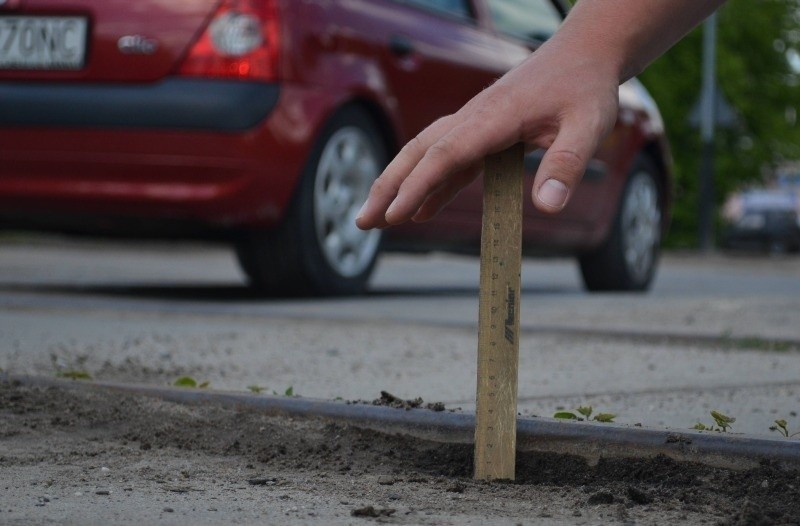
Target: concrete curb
589	440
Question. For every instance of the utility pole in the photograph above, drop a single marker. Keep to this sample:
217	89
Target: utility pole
707	133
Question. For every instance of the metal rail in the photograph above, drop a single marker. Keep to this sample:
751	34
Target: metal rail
589	440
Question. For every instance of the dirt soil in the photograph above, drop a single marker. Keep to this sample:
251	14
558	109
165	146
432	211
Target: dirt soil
72	457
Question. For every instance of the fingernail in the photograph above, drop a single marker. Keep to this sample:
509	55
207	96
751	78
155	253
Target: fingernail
361	212
553	193
391	209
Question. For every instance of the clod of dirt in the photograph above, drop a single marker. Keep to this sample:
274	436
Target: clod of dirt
179	488
601	497
457	488
371	511
389	400
678	439
262	481
638	496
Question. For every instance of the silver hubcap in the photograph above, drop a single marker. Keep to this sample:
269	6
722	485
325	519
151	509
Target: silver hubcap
641	225
347	168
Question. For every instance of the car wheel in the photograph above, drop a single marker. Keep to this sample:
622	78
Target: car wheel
628	259
318	250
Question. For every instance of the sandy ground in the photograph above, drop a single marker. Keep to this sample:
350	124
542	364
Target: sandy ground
81	458
716	333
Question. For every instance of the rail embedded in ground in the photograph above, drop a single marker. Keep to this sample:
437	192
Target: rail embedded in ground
589	440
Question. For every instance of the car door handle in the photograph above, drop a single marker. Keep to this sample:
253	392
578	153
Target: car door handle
400	45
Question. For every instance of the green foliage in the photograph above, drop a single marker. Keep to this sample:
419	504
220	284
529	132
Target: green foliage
783	428
605	417
756	78
258	389
722	421
585	414
188	381
565	415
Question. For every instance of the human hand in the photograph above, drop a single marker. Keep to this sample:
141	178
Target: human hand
565	105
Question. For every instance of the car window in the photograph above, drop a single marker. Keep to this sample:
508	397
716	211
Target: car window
526	19
458	8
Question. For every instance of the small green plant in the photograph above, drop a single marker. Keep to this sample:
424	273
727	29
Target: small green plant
783	428
188	381
722	421
257	389
585	414
74	375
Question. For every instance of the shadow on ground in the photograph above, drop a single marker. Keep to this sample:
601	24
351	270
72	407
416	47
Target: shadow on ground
234	293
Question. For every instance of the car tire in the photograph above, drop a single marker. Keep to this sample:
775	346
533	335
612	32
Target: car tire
318	250
628	259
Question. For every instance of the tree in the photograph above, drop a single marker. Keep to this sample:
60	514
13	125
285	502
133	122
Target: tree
758	40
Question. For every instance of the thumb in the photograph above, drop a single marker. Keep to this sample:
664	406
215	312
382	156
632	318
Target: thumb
563	166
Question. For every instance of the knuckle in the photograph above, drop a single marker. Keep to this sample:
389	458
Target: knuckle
383	186
567	163
498	96
412	147
443	149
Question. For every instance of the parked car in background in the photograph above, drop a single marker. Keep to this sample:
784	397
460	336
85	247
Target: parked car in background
763	219
264	122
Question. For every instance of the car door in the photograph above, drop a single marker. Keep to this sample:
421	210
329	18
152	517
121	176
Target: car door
438	55
527	24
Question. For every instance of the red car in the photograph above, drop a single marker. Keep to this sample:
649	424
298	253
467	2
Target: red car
264	123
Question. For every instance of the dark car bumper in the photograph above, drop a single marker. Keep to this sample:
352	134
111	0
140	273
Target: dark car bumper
175	103
779	231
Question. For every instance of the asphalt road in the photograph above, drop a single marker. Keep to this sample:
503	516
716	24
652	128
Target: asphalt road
716	332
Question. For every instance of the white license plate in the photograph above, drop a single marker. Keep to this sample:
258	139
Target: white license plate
42	42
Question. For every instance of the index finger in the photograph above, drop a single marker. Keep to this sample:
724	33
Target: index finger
463	146
385	188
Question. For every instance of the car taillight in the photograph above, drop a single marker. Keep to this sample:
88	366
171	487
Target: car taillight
240	42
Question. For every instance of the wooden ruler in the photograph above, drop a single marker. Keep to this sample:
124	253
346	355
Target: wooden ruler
498	316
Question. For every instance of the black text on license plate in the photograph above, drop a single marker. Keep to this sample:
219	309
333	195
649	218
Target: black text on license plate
42	42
